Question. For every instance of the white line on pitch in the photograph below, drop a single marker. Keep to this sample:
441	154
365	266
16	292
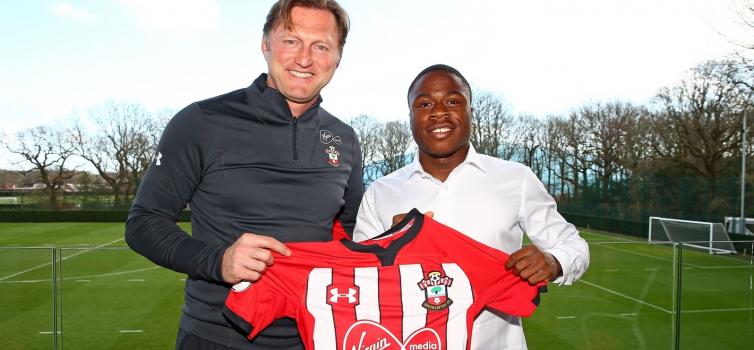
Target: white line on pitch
67	257
715	310
645	255
631	314
83	280
48	332
727	267
622	239
565	317
634	253
651	269
89	276
625	296
136	280
670	260
131	331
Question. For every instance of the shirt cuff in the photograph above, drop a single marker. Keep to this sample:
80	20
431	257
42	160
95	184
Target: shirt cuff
566	264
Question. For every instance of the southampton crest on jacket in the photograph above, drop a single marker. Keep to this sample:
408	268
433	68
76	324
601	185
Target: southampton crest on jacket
435	288
332	155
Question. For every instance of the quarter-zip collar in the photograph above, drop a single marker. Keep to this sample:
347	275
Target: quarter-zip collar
270	99
271	107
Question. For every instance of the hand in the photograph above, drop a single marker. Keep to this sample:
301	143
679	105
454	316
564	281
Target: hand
399	217
249	256
534	265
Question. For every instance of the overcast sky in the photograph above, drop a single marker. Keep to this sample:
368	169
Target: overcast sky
59	58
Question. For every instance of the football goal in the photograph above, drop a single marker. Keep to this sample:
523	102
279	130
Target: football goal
707	236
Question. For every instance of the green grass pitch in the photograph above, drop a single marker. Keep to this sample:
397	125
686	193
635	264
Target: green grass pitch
112	298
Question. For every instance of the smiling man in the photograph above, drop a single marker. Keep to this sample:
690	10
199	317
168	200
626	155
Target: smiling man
489	199
259	166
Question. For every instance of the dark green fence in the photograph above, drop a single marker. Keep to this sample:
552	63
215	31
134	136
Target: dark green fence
72	216
604	223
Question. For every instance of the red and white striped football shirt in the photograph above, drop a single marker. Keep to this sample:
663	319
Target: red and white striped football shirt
418	286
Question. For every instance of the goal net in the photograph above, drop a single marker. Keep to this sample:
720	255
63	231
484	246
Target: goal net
708	236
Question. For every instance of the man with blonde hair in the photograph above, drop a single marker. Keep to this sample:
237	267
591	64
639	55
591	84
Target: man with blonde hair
259	166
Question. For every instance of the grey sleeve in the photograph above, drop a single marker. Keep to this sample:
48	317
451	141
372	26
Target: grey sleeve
167	187
354	192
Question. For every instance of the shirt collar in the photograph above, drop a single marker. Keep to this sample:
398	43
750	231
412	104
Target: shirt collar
472	159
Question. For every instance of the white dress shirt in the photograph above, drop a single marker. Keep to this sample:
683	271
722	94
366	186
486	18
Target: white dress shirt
491	200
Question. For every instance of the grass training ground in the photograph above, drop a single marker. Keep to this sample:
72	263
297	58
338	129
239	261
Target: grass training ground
112	298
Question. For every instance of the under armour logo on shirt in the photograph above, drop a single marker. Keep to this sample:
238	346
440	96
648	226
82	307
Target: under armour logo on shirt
336	295
157	158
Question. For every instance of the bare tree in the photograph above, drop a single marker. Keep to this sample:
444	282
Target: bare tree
393	146
144	146
368	130
745	12
531	142
121	146
698	125
492	126
47	149
549	154
577	157
606	125
744	67
559	154
634	147
141	153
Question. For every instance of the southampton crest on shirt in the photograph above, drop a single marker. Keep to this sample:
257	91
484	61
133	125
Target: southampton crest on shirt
435	288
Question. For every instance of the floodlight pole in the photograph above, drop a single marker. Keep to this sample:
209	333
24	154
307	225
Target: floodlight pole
742	223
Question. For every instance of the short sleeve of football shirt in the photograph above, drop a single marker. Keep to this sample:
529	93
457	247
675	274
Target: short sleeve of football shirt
419	285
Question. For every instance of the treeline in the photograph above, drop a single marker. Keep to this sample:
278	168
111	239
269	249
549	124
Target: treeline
116	139
677	156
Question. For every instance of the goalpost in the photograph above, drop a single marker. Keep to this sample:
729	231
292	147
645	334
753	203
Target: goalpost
707	236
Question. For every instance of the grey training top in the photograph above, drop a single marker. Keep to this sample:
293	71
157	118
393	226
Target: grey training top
244	164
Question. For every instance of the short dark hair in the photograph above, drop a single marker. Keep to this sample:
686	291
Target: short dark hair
280	14
439	67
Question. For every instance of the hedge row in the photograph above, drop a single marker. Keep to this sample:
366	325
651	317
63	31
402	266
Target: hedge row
626	227
742	247
71	216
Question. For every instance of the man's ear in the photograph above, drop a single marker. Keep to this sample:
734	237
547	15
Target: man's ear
265	47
